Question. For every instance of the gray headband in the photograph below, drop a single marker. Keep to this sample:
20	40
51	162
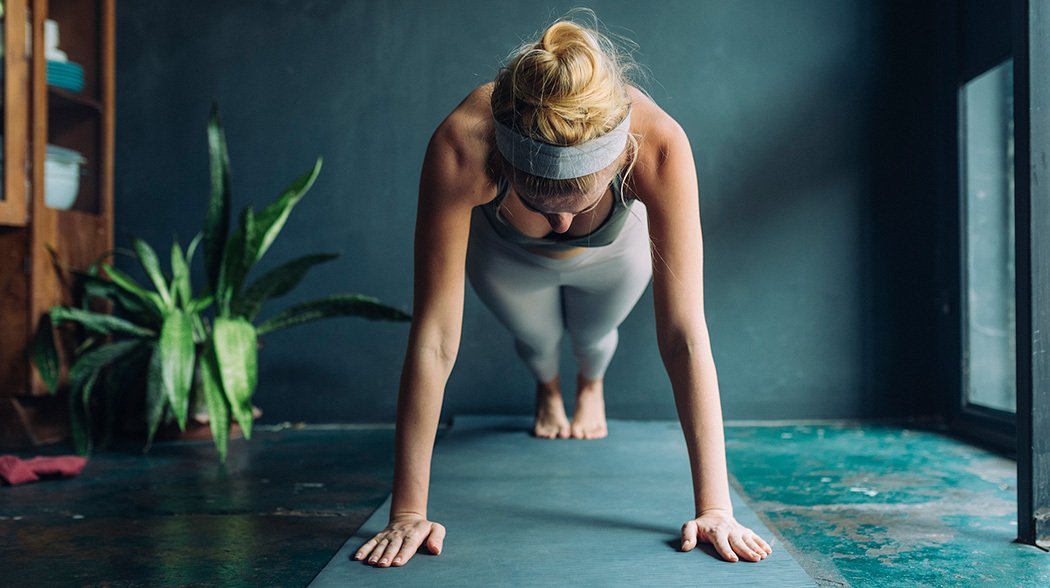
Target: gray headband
560	163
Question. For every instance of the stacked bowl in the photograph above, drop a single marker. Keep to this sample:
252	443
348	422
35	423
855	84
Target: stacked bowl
66	75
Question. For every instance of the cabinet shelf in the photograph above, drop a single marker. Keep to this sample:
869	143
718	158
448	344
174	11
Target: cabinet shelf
64	99
57	98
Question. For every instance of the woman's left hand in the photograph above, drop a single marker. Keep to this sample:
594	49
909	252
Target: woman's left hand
730	539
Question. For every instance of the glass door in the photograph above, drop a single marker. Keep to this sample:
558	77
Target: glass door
988	272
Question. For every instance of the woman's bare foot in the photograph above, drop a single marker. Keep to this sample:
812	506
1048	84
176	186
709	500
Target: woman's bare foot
588	422
551	421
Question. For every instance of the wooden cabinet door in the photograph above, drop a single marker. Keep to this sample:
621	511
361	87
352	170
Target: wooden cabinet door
14	199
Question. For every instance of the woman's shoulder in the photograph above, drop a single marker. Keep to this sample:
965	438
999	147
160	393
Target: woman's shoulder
663	145
658	132
467	130
664	157
459	150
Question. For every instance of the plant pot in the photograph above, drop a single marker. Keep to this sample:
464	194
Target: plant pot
198	428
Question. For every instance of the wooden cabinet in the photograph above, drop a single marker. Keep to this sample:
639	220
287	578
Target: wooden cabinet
37	114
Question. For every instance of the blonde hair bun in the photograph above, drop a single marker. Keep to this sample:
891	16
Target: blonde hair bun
564	89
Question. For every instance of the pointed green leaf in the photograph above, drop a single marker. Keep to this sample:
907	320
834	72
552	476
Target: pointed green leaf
198	304
249	249
100	357
332	306
192	249
153	302
155	397
235	345
218	410
217	219
150	263
236	263
177	360
180	276
134	306
95	287
104	324
277	282
45	354
271	219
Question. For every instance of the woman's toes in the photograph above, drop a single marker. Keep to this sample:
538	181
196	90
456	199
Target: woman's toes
550	431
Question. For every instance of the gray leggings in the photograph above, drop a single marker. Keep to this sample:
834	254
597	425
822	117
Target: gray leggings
538	297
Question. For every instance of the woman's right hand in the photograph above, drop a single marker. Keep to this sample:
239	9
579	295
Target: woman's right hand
396	544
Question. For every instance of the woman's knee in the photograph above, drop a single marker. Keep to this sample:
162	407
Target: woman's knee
595	345
594	355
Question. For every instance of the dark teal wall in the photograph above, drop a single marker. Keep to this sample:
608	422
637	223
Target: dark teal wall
808	120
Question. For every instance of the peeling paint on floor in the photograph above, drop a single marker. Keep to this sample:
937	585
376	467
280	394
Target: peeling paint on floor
886	506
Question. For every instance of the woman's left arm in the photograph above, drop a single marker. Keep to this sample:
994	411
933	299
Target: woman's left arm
666	182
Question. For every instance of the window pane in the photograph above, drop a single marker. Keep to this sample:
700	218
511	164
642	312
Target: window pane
989	354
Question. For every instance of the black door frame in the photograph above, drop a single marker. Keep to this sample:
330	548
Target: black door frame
1032	201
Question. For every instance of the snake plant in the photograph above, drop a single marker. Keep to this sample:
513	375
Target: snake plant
180	344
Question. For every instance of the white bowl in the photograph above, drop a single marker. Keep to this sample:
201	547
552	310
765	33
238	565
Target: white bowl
61	183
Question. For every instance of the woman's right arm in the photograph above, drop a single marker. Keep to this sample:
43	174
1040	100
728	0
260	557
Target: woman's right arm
451	184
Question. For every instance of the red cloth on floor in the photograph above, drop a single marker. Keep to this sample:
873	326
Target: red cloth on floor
16	471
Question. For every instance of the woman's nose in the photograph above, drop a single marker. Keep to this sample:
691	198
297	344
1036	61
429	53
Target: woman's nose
560	222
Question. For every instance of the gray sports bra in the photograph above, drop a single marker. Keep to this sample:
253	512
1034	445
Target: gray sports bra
600	237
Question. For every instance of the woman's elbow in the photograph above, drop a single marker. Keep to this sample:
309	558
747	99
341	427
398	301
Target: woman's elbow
435	345
684	343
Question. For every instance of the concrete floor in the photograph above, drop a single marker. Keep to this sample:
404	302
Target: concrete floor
858	505
273	516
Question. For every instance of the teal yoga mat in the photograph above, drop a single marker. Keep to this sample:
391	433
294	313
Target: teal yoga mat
522	511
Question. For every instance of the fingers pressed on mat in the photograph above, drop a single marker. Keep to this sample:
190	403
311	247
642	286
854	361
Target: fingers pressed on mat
741	548
366	549
378	551
408	549
721	543
752	542
764	545
391	550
